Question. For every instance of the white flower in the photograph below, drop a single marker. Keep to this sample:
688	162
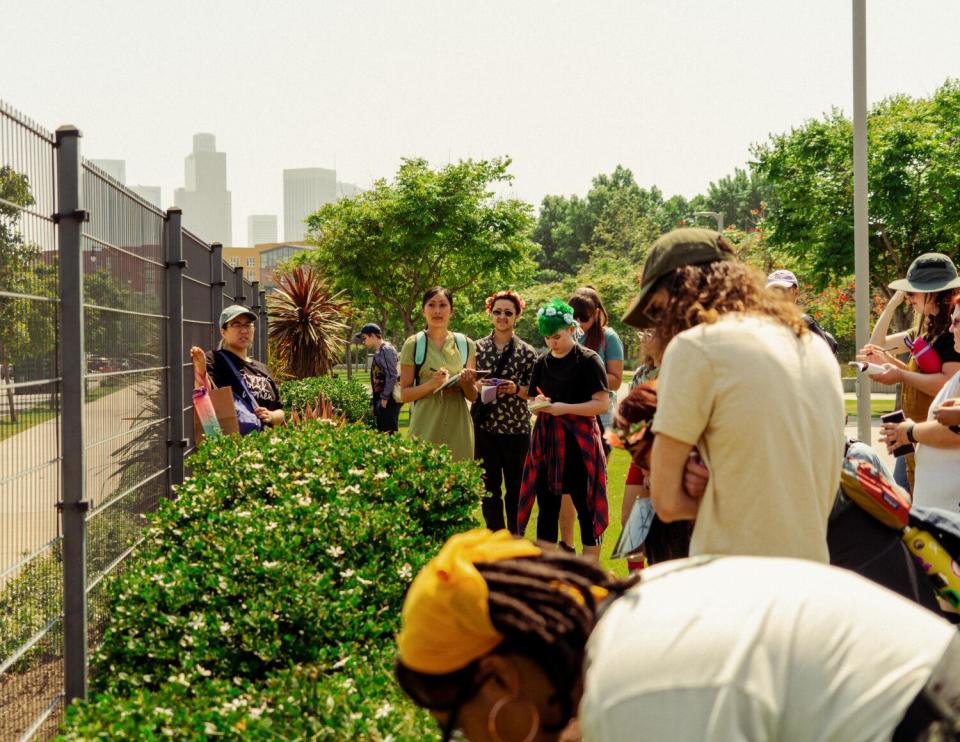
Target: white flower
568	318
405	572
347	574
550	312
383	711
356	472
334	551
381	475
341	663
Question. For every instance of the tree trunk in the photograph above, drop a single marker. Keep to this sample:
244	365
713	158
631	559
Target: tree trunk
5	377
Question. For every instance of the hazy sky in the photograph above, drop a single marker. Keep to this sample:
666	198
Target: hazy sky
676	90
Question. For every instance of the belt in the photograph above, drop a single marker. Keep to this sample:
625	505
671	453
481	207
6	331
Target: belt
935	711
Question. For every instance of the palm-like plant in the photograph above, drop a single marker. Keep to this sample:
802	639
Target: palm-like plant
306	323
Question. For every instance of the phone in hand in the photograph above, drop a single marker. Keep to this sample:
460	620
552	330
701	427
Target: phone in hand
897	416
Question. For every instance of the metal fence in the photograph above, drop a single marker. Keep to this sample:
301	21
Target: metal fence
101	297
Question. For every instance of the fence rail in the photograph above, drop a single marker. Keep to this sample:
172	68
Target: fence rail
101	297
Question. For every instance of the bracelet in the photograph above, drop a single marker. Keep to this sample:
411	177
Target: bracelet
910	433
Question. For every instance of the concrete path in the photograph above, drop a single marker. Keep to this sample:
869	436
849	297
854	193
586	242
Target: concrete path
30	471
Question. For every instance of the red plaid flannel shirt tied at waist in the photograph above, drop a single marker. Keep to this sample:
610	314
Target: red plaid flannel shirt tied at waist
546	457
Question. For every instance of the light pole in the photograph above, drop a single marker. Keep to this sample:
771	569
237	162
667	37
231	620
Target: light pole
861	245
718	215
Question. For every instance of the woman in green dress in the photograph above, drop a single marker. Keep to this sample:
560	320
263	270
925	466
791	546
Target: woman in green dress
427	361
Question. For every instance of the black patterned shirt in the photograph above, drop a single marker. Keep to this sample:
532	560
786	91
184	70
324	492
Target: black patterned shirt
509	414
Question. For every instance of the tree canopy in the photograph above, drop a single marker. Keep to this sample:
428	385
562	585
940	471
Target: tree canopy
427	227
914	182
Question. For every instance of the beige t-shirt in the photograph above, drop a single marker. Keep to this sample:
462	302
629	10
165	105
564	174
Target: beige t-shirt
765	408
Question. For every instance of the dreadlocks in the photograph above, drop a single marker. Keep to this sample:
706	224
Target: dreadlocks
545	608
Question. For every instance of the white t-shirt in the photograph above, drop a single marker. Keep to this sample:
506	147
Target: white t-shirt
765	409
937	478
733	651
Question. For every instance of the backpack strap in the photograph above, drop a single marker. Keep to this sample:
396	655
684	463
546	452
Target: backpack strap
419	355
462	347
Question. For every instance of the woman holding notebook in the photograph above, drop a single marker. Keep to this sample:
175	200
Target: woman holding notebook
438	375
500	417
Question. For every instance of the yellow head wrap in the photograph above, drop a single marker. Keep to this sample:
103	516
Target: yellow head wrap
446	620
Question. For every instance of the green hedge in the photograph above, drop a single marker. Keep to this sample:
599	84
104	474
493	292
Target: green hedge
276	577
348	397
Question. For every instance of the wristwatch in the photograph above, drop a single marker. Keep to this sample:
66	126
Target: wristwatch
910	433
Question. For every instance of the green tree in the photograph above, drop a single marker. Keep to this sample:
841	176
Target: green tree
914	167
427	227
26	323
739	197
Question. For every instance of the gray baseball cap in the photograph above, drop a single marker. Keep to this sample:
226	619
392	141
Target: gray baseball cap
233	311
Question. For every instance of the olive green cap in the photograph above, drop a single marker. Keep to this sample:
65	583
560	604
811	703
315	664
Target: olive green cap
686	246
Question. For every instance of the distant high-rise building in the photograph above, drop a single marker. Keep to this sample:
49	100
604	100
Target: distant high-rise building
116	169
348	190
148	193
261	228
305	190
205	200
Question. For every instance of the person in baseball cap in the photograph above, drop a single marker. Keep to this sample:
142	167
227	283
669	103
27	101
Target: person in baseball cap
785	282
384	375
368	329
233	311
730	351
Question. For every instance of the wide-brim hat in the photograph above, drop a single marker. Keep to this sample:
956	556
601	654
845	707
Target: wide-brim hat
675	249
932	271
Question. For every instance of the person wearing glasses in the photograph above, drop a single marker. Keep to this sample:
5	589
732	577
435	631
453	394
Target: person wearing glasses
745	382
504	640
237	328
929	287
938	451
502	421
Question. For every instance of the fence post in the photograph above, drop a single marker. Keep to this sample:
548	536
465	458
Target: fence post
73	481
238	295
264	328
216	289
255	308
173	257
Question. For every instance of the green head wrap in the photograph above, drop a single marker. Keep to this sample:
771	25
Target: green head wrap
554	316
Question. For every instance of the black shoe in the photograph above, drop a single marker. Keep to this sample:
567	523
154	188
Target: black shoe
567	548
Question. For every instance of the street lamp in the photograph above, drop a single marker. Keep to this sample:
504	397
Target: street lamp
718	215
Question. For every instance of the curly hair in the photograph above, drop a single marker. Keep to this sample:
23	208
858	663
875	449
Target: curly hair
701	294
545	610
932	326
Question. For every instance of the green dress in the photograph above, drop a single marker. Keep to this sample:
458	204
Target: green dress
443	417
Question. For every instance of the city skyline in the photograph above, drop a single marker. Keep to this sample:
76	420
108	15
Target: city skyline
566	90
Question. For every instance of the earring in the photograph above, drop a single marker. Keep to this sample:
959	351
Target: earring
499	706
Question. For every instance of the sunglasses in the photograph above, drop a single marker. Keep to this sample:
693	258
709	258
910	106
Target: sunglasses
502	313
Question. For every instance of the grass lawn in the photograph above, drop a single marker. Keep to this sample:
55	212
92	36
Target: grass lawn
25	419
877	406
616	476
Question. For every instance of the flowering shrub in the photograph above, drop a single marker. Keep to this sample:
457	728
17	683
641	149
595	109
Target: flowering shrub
266	597
349	398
